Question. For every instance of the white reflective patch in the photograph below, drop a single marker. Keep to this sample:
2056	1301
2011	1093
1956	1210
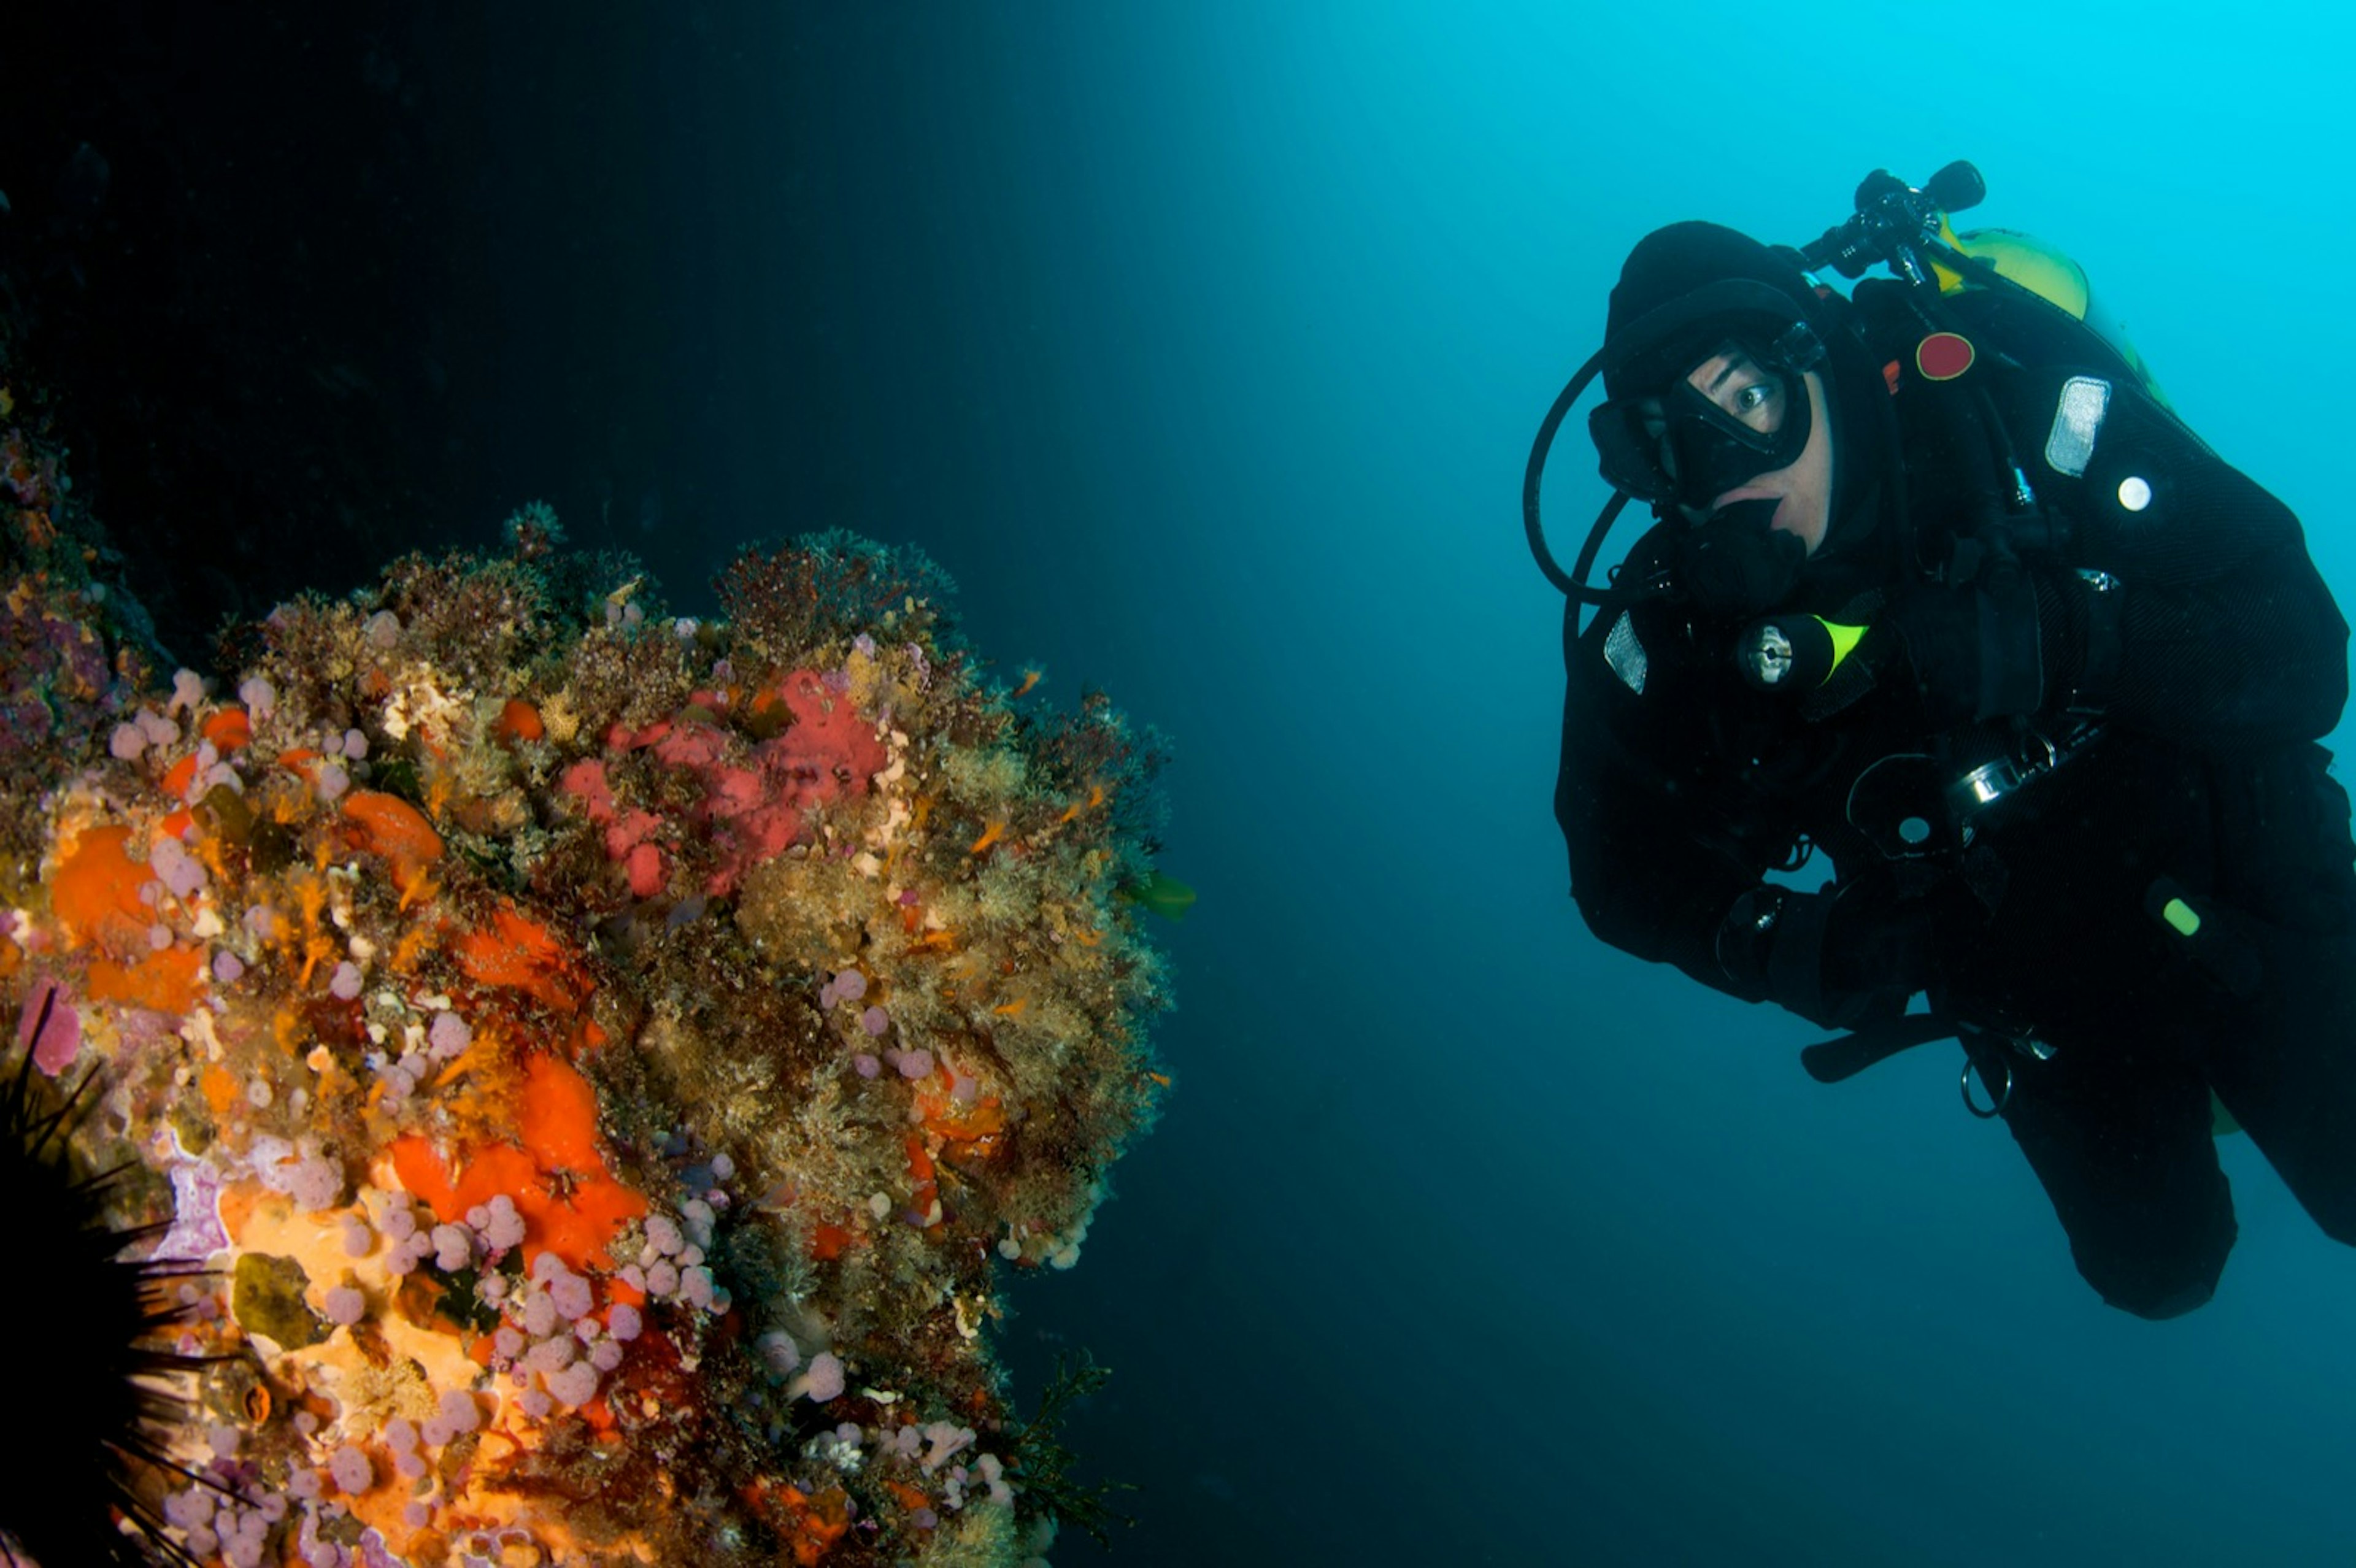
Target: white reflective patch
2077	419
2135	494
1626	654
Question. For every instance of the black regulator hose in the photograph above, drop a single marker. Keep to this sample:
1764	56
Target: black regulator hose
1572	584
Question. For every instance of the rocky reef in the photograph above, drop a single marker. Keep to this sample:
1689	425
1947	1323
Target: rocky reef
584	1073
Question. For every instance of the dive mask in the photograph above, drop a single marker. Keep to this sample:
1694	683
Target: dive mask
1687	446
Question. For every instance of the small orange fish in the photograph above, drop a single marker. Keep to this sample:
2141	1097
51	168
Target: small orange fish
1030	678
996	831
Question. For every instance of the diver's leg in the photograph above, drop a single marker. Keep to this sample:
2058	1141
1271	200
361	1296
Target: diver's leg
2118	1132
2285	1065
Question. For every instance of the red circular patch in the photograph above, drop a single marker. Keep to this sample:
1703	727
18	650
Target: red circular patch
1942	357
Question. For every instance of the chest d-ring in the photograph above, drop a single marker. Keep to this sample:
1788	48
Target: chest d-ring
1997	1105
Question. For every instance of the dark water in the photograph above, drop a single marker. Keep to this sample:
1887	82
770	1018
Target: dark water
1203	343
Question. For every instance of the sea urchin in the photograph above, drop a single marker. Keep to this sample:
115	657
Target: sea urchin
80	1317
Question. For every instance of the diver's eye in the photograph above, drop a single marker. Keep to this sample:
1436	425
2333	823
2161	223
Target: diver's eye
1741	388
1758	404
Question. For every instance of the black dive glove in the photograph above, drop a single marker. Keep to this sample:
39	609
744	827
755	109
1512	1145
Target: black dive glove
1831	955
1971	652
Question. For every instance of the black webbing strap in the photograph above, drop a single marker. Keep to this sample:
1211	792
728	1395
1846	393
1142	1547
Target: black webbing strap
2098	678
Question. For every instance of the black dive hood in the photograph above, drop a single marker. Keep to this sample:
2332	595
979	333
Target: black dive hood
1686	281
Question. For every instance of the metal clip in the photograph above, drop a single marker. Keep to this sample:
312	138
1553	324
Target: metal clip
1996	1101
2028	1045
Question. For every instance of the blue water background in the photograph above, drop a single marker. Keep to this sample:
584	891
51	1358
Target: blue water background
1203	343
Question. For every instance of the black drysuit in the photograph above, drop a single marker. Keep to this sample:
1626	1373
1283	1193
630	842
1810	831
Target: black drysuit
2193	654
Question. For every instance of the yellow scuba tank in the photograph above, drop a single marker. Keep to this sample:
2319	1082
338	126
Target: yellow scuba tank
2047	271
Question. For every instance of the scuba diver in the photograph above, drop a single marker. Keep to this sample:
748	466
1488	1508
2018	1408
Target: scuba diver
1938	586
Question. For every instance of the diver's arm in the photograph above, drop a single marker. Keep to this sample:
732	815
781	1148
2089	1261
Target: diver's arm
2222	631
1653	870
2196	615
1653	879
2258	657
1643	879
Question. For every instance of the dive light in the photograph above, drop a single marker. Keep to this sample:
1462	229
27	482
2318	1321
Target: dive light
1793	652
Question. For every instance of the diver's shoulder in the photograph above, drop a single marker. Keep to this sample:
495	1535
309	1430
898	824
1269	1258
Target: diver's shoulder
2068	420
